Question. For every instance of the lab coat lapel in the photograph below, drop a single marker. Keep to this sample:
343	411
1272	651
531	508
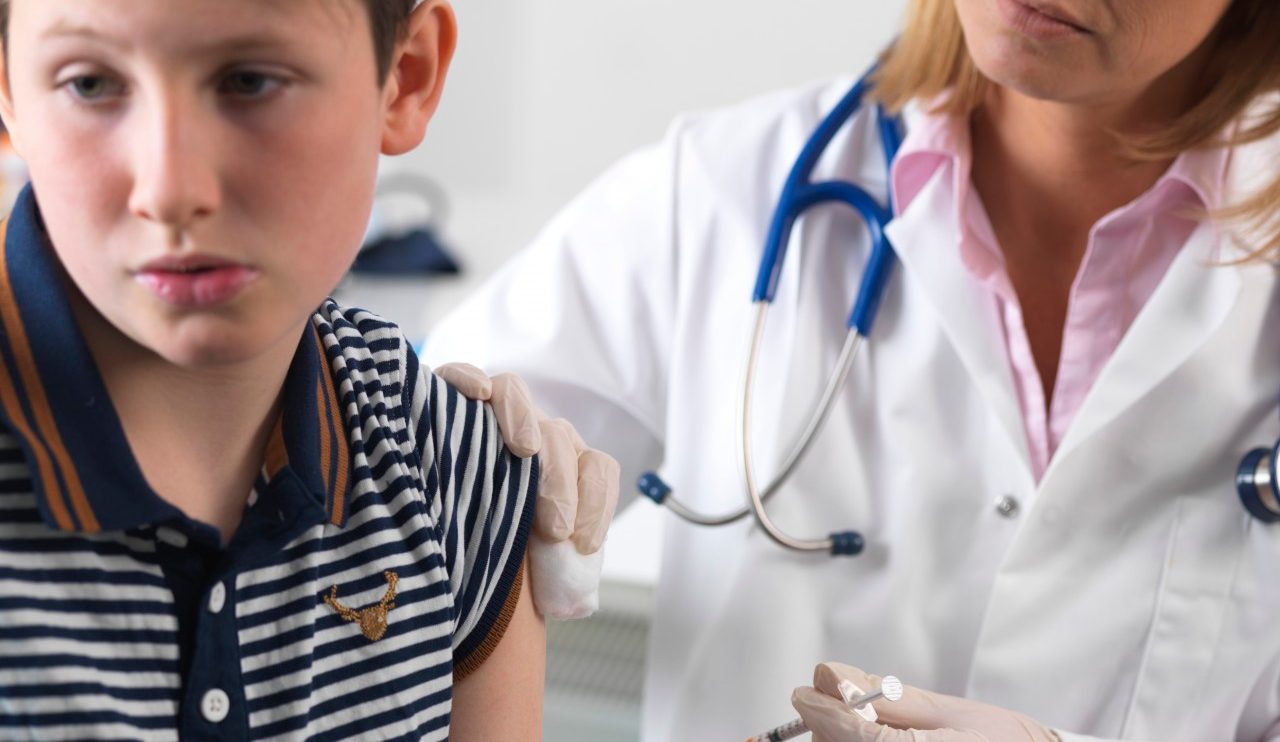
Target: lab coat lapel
1188	306
926	240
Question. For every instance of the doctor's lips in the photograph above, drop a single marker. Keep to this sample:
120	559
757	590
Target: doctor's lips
195	281
1040	19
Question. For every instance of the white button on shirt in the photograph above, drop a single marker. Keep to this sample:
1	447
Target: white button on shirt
217	598
215	705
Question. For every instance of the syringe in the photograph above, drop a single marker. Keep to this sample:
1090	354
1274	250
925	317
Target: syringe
890	689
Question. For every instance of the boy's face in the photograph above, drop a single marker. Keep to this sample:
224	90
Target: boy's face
205	168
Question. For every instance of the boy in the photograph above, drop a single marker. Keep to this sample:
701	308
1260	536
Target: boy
224	514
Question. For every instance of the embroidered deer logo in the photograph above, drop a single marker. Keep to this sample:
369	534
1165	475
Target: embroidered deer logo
372	620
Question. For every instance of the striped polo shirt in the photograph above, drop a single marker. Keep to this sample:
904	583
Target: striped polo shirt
378	560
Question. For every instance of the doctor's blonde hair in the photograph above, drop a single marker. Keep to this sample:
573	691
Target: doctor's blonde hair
930	58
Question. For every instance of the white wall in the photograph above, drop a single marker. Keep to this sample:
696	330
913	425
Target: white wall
544	94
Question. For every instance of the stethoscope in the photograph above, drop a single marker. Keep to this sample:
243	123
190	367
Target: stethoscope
1256	481
800	194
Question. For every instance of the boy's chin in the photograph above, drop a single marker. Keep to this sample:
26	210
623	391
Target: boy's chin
200	349
235	338
203	357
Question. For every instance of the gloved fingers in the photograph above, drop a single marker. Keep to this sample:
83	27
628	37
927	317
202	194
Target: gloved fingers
557	508
831	720
920	709
579	445
827	677
917	709
517	415
598	482
467	379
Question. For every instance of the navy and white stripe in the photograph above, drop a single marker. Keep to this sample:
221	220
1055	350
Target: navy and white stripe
119	616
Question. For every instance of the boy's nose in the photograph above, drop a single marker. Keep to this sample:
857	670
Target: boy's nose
175	177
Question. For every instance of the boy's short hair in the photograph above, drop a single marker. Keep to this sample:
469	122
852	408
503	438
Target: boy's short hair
387	19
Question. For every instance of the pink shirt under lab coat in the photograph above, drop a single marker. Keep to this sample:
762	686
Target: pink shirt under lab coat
1127	255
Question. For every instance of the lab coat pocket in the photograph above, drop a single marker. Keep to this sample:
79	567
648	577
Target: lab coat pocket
1256	586
1201	560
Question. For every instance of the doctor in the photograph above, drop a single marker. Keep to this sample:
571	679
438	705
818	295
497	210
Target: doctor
1038	444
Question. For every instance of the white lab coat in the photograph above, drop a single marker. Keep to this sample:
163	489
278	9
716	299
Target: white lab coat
1129	597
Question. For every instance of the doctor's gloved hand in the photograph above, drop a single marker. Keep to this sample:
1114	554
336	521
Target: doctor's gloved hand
919	716
577	492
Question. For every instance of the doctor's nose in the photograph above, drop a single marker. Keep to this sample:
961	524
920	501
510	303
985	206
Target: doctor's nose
175	178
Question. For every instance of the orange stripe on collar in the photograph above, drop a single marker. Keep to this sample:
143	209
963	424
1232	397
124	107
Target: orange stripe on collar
52	492
277	455
56	454
326	437
335	452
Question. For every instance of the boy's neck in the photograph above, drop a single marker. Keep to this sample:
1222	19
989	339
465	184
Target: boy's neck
198	435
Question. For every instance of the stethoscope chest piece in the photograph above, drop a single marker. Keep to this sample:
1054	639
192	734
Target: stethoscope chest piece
1256	484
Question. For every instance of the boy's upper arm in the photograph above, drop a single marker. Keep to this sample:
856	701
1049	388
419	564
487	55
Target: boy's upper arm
482	499
513	674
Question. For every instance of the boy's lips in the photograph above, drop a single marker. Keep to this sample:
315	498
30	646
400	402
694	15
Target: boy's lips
195	281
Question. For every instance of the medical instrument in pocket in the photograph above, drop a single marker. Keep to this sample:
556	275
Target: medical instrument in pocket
890	689
799	194
1258	485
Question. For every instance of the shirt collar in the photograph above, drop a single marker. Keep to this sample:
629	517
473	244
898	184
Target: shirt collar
934	140
52	398
1204	171
938	145
1195	181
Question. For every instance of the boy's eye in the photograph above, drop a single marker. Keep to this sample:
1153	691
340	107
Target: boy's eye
249	84
94	87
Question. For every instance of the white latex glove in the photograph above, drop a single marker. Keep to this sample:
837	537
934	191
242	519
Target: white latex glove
577	492
920	716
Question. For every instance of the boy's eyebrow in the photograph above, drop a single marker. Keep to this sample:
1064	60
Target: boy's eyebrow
255	39
67	28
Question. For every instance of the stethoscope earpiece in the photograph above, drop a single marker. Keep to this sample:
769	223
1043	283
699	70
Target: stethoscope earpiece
1256	484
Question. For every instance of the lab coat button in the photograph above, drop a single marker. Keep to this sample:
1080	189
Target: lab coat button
217	598
1007	506
215	705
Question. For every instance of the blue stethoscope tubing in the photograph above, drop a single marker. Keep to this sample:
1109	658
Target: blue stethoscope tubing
799	194
1257	481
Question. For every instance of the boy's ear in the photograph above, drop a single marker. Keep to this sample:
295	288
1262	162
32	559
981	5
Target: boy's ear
6	99
416	77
